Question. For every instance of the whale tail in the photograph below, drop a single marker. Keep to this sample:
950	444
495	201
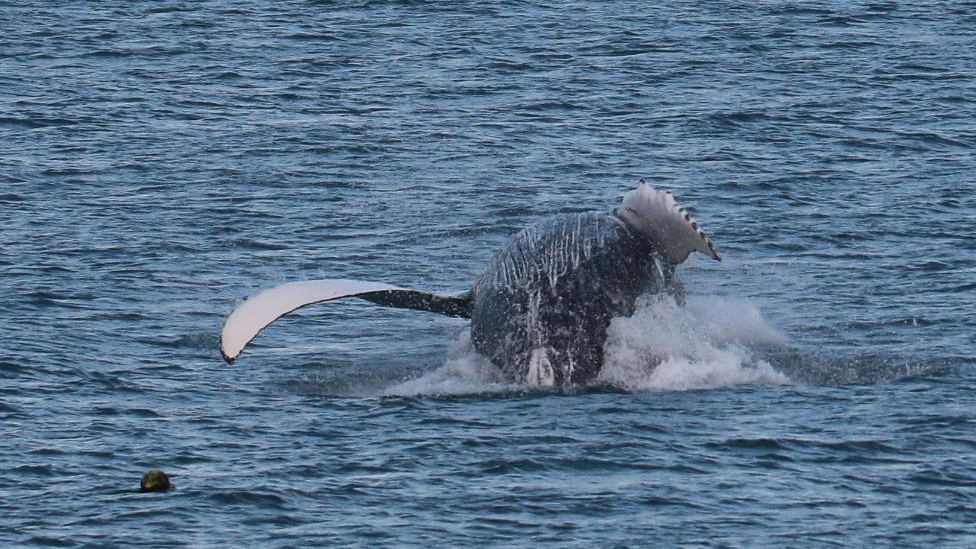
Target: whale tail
255	314
673	231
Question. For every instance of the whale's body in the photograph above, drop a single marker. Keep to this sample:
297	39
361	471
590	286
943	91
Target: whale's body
541	309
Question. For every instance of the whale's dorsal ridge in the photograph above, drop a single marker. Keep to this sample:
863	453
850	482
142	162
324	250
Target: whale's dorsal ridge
655	214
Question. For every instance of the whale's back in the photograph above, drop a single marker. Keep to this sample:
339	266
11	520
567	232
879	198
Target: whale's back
551	292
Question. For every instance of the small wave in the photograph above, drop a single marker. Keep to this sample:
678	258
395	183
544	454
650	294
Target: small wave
33	470
51	541
11	367
314	36
35	122
250	497
256	245
203	341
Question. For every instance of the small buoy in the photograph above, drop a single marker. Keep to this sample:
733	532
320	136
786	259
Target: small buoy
154	481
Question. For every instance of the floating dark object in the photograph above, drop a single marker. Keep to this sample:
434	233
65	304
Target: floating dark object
154	481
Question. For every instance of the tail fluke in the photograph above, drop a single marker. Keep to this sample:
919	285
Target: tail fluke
258	312
673	231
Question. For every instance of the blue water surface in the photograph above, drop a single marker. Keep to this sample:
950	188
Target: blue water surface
161	161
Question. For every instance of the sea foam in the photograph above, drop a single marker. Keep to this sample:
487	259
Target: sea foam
662	347
707	344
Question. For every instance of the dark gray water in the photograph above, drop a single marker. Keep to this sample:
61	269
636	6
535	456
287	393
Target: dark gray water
160	161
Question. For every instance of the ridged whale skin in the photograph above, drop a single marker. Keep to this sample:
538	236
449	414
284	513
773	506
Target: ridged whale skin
541	309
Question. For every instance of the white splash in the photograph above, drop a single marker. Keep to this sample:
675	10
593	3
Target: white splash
705	345
464	372
662	347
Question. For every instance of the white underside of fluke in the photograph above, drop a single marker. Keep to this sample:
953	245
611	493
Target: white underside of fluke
262	309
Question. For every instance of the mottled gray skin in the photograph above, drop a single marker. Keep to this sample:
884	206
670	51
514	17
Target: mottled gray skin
556	286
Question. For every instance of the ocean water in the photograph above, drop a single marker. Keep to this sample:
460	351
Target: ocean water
161	161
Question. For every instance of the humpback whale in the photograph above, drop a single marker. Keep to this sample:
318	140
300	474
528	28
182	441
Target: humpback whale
541	309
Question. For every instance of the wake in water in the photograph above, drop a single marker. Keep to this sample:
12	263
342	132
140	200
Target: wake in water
662	347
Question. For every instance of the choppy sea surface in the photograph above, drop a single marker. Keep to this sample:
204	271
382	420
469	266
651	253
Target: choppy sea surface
161	161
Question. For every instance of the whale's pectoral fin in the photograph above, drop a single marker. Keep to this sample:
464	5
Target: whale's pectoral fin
258	312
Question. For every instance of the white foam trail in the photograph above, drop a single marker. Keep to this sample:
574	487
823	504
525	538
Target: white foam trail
664	347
